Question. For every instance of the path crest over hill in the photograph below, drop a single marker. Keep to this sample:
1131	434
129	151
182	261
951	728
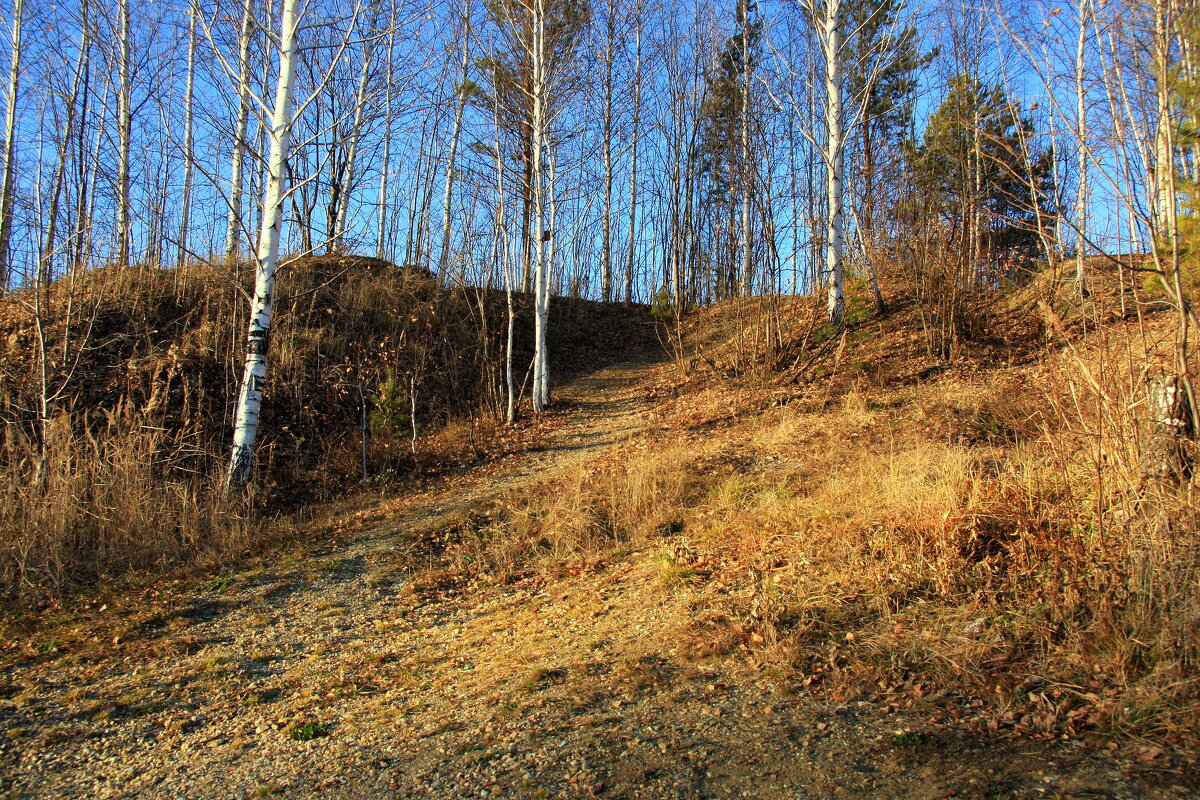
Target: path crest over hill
326	675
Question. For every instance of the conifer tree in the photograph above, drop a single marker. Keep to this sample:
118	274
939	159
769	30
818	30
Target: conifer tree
972	163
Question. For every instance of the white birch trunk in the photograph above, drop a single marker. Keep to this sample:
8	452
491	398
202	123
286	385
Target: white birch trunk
633	158
381	221
747	173
538	125
245	430
360	100
548	280
1081	122
233	229
49	243
606	153
381	248
834	158
10	129
510	411
86	202
124	135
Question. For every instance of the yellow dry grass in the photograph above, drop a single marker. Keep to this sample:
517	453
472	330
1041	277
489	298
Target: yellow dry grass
970	532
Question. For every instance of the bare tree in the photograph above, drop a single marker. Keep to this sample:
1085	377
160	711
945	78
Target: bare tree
7	178
262	302
233	229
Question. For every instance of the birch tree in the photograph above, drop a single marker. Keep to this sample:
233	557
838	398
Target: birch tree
254	375
537	125
461	92
634	139
828	18
341	224
124	131
275	192
189	170
1084	11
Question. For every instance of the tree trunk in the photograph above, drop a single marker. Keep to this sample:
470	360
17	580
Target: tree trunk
460	105
1081	122
1168	456
188	146
633	158
541	272
49	247
124	135
834	158
342	221
606	155
245	430
233	229
746	279
382	251
10	130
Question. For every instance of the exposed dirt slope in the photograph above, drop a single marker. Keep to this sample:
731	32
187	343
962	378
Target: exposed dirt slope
576	685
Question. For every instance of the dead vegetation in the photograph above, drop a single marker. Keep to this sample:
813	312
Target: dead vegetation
974	536
116	390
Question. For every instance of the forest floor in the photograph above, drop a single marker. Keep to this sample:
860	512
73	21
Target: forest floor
329	670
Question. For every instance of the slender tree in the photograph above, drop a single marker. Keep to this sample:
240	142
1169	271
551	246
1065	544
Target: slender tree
8	176
246	415
233	228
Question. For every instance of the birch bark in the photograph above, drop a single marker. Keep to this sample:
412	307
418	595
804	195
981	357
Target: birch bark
124	134
254	375
538	126
460	105
633	158
606	145
1081	122
510	412
834	158
188	143
746	277
382	250
360	102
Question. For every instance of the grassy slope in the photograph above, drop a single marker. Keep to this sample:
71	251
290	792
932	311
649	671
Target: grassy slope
967	537
899	527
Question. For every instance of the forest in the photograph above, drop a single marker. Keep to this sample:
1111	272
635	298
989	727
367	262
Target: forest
858	331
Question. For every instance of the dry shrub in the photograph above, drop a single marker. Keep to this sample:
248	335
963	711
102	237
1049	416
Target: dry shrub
103	502
884	553
975	566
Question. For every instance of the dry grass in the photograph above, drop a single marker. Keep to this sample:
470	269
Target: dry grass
98	503
986	533
138	370
593	509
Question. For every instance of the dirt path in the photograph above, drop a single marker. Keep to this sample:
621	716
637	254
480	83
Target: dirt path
572	688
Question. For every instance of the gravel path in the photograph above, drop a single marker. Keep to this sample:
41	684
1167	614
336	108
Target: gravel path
327	674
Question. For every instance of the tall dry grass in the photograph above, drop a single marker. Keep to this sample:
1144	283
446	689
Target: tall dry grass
591	509
968	535
105	500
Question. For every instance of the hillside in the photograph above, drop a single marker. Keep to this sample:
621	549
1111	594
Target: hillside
142	370
782	564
